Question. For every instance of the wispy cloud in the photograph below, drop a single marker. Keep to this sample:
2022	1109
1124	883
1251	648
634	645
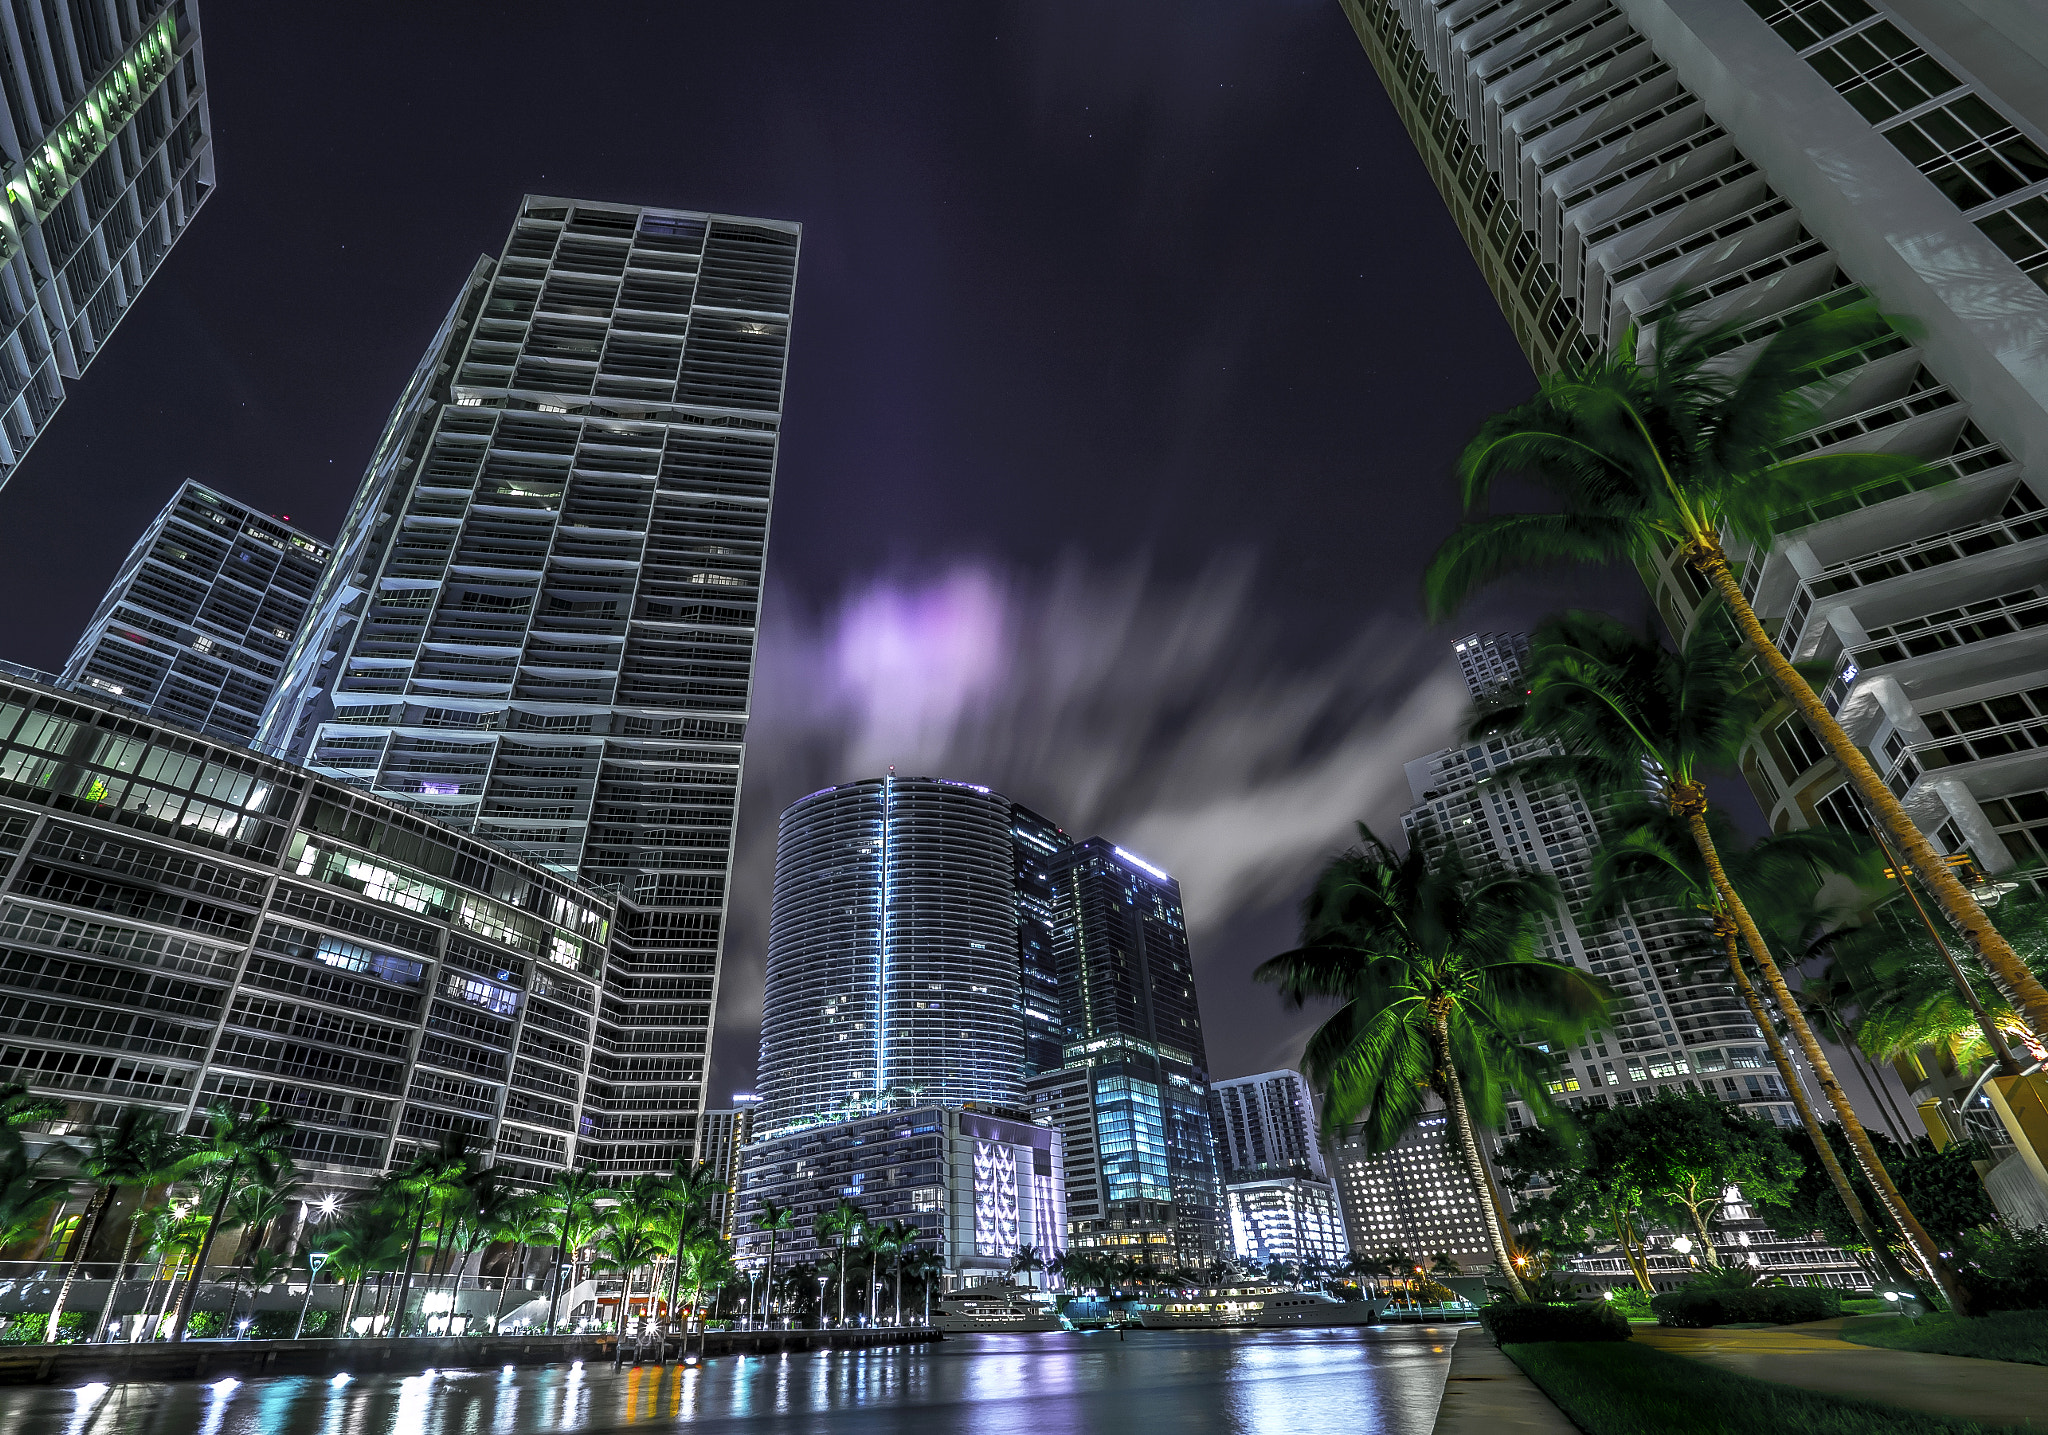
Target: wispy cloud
1159	713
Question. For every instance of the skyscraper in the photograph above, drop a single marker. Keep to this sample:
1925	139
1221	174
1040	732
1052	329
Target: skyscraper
1276	1190
1414	1198
892	976
1677	1023
1132	1098
1038	843
1779	158
108	153
726	1134
195	627
539	621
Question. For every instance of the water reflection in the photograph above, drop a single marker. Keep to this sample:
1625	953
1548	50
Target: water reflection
1373	1382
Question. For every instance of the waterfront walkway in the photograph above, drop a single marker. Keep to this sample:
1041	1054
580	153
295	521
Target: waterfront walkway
1485	1393
1815	1357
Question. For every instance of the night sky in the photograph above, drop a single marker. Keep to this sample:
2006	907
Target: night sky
1132	347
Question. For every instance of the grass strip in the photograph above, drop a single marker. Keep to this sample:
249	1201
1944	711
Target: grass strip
2017	1335
1622	1389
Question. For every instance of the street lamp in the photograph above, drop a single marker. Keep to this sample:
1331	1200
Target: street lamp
314	1260
1683	1245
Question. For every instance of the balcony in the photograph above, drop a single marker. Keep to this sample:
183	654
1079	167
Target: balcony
1953	628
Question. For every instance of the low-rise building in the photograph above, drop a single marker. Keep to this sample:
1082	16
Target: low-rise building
1290	1218
978	1184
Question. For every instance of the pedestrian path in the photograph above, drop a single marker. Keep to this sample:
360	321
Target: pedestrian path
1485	1393
1815	1357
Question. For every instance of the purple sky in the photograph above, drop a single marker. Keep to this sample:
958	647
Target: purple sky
1132	346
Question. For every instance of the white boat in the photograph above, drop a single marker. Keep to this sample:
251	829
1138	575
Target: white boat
1257	1310
997	1305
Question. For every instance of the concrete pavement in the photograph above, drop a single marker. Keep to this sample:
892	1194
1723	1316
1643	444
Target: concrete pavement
1485	1393
1815	1357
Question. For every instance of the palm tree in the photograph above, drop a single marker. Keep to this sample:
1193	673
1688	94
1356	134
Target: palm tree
1442	993
28	1189
628	1248
430	1182
923	1267
840	1225
526	1224
489	1210
176	1232
1025	1261
903	1237
262	1269
1616	700
1645	456
570	1202
239	1146
21	1108
774	1220
153	1155
369	1238
110	1162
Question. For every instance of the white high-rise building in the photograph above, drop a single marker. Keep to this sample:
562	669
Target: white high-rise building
1678	1025
538	624
1778	158
1276	1189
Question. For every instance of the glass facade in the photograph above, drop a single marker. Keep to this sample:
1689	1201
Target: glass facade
108	154
195	627
184	922
540	619
892	975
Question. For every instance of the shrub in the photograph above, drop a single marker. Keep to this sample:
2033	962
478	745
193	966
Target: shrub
279	1324
29	1329
1699	1305
1632	1302
1526	1322
2005	1270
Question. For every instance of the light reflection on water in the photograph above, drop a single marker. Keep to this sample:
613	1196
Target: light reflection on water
1371	1382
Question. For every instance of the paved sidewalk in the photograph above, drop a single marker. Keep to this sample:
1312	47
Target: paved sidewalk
1815	1357
1486	1392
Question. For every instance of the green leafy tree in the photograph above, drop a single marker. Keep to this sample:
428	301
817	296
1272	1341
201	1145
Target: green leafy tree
1943	1185
149	1155
429	1185
239	1146
1617	702
1442	992
20	1109
368	1239
1647	455
1688	1148
1574	1188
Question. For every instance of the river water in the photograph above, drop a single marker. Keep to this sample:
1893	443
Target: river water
1187	1382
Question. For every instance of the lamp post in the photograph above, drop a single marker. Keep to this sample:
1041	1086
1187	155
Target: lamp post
314	1260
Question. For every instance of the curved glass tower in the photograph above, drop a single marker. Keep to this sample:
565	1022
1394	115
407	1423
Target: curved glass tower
892	953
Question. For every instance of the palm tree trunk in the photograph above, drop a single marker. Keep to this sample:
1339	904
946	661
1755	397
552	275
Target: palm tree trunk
1789	1074
768	1287
842	1277
1689	800
1468	1143
348	1308
2013	977
88	1227
561	1258
191	1291
412	1253
120	1271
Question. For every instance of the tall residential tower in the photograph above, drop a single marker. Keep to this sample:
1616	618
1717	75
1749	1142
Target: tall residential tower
539	621
108	154
195	627
1777	158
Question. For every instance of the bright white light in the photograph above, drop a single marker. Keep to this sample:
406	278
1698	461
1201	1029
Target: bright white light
341	1380
1608	1294
328	1203
224	1385
1137	861
1891	1295
1683	1245
91	1392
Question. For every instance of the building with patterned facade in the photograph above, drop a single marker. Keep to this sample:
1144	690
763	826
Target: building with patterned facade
185	922
726	1133
108	154
1414	1199
539	621
977	1183
195	626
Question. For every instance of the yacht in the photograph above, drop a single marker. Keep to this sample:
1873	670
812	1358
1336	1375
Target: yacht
996	1305
1257	1310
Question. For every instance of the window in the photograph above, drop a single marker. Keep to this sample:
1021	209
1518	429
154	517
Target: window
2022	232
1881	72
1970	152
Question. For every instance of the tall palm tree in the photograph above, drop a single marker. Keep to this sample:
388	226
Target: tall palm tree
628	1248
903	1238
28	1189
923	1267
1615	700
570	1201
1673	451
1442	992
368	1239
432	1180
114	1156
153	1155
240	1145
774	1220
841	1225
527	1224
1026	1261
